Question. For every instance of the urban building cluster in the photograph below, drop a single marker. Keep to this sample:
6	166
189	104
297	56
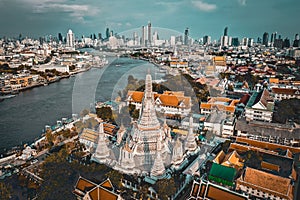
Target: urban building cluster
27	63
242	144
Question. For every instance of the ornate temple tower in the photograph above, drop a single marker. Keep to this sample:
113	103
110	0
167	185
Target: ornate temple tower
177	153
102	152
147	132
190	143
126	158
158	169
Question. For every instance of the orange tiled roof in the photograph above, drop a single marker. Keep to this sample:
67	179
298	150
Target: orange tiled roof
176	93
195	190
269	166
205	106
235	159
169	100
287	91
106	184
218	194
136	96
185	100
219	58
267	145
267	182
220	157
101	194
230	109
84	185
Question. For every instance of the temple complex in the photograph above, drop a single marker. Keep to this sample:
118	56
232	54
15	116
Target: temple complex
147	148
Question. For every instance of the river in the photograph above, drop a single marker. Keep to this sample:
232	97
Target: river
23	117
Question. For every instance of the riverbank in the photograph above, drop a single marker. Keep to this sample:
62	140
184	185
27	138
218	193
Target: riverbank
23	117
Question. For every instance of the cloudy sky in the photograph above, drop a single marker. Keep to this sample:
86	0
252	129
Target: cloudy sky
249	18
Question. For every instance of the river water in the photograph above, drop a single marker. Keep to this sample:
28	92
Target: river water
23	117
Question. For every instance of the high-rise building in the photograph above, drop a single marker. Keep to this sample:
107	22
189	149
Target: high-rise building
149	39
172	40
224	41
70	39
235	42
259	41
206	40
107	33
135	39
186	36
226	31
286	43
100	36
296	41
273	38
245	41
60	37
266	39
250	42
278	43
144	35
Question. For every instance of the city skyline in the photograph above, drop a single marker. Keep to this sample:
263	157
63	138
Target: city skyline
244	18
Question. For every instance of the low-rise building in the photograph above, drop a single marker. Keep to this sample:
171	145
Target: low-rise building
169	103
208	190
89	138
260	106
219	103
220	123
264	185
88	190
285	93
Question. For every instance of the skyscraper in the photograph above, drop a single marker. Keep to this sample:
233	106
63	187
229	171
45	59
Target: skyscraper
186	36
100	36
206	40
107	33
60	37
235	42
226	31
286	43
265	39
224	41
149	35
144	36
70	39
296	41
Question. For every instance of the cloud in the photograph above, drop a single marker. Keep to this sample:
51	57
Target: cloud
242	2
203	6
76	11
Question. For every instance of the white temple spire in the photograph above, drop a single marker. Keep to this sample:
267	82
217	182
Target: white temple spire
126	157
102	151
177	153
158	169
190	143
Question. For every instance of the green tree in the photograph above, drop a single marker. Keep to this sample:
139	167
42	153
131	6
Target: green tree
115	177
165	188
50	137
105	113
5	191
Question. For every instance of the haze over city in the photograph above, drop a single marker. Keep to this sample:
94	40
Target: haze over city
245	18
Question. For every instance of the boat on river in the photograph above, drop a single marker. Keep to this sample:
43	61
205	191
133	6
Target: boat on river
8	96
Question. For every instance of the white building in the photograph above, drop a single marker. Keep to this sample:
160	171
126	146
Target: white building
285	93
260	106
169	103
70	39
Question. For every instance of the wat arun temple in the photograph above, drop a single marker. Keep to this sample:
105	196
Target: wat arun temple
147	148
